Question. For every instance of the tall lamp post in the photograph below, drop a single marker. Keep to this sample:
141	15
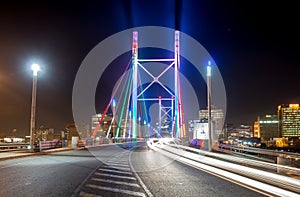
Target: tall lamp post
35	68
139	132
208	75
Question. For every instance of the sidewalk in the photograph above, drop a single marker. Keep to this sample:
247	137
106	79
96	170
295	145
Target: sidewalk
25	153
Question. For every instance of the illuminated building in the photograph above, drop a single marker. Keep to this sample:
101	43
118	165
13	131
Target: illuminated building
104	126
199	128
256	129
267	127
289	120
244	131
44	134
217	117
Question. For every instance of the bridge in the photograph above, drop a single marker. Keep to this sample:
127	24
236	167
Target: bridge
145	159
133	96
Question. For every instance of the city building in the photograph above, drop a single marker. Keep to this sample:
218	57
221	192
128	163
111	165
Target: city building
289	120
103	128
43	134
256	129
266	127
217	117
245	131
199	129
238	135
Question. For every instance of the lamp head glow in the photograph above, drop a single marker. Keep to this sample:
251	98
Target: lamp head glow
145	122
114	103
208	69
209	63
139	118
176	36
135	36
35	68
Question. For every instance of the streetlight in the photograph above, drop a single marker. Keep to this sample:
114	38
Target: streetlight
208	75
139	126
35	68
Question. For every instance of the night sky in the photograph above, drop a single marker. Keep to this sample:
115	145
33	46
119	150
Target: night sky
255	46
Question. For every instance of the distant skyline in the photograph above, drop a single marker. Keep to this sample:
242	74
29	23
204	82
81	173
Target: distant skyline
254	44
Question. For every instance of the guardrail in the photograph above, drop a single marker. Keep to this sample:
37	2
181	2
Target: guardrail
4	147
259	151
45	145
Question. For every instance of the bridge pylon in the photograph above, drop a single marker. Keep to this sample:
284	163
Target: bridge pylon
176	107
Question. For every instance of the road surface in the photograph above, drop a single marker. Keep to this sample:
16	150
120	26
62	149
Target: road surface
113	170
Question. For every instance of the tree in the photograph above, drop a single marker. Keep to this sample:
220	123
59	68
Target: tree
14	132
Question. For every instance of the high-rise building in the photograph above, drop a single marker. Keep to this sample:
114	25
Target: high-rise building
289	120
267	127
103	127
256	129
217	117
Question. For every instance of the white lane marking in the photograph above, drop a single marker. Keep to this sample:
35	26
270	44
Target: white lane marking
139	179
120	162
116	182
116	171
84	194
115	176
118	159
116	190
84	181
116	164
119	168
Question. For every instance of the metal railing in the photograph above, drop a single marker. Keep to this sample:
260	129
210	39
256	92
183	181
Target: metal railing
4	147
259	151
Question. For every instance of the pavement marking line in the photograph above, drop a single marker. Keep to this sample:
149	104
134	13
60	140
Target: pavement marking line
77	190
119	168
113	161
116	190
116	182
116	171
139	179
84	194
120	162
116	164
116	159
115	176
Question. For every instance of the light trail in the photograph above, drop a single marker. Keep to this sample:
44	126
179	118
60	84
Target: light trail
235	159
112	97
124	102
279	184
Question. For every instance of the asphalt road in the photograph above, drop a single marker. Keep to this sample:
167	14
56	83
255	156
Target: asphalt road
56	174
118	170
167	177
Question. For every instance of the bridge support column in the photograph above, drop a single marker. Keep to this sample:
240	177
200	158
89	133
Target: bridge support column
134	83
